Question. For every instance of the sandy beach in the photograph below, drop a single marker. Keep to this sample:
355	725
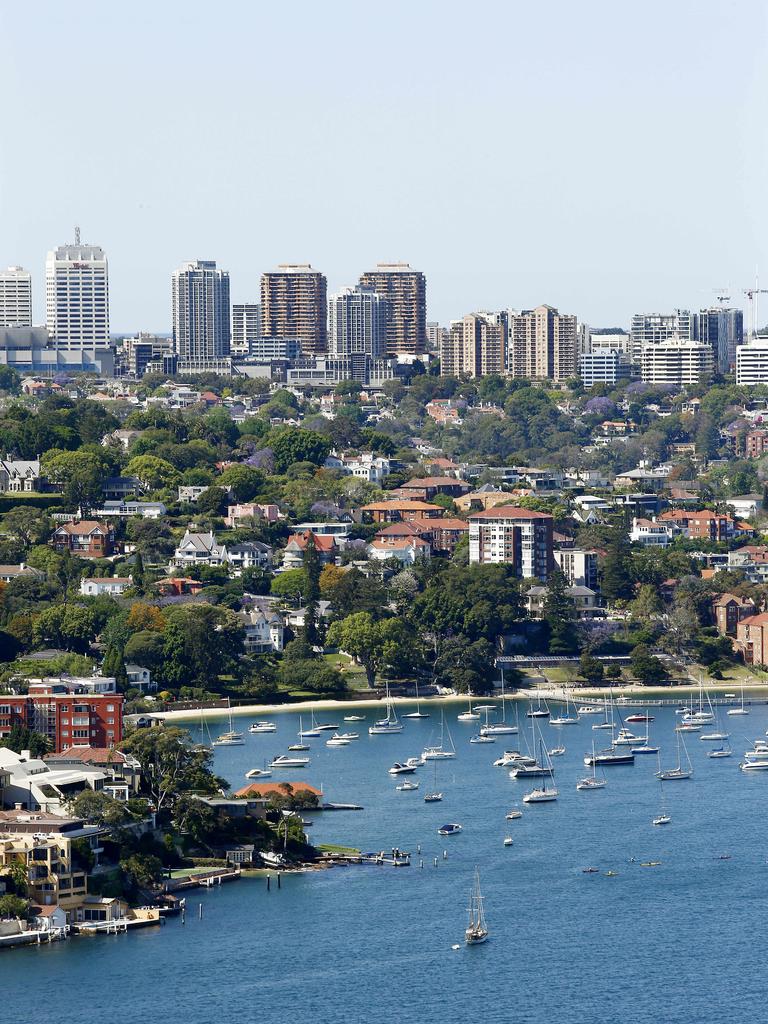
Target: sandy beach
719	689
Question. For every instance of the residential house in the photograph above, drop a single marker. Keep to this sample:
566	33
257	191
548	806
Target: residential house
124	438
178	586
250	554
485	496
752	638
649	533
110	585
241	513
122	771
325	546
428	487
199	549
728	610
34	785
704	524
124	509
446	410
13	572
121	488
400	509
87	539
21	476
405	549
263	629
755	443
53	879
746	506
140	678
442	534
585	602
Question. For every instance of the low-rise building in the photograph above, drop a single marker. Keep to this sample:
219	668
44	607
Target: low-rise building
325	546
86	539
13	572
728	610
263	629
585	602
649	533
752	639
111	585
34	785
402	509
405	549
579	567
199	549
243	512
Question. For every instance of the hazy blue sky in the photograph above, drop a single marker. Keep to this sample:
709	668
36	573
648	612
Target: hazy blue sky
601	156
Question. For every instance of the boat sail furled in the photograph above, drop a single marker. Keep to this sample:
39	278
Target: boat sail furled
477	929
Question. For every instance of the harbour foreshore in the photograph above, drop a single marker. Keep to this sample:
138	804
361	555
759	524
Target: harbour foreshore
756	692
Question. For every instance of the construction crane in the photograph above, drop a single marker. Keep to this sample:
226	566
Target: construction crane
753	300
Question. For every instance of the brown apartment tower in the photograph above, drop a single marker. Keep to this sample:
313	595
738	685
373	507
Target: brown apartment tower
294	305
406	291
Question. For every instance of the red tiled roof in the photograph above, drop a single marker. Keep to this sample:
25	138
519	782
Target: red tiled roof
404	504
323	542
398	542
509	512
268	788
755	620
433	481
446	523
404	529
84	526
99	755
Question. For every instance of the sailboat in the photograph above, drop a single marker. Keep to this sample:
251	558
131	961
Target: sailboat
434	796
700	717
387	725
607	723
644	746
740	710
540	711
469	715
678	772
542	795
477	929
300	745
231	738
418	713
565	718
312	731
591	781
718	735
204	732
502	728
439	752
662	818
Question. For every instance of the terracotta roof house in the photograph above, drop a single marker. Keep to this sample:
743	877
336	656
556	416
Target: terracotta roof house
405	549
727	612
427	487
88	539
405	509
443	534
325	545
267	789
752	638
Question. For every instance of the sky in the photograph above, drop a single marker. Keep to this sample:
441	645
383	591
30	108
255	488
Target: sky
606	158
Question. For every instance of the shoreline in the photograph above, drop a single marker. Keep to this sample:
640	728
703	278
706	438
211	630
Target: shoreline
547	692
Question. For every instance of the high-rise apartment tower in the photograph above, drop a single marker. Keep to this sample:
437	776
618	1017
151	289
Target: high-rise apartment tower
406	291
200	296
294	305
77	296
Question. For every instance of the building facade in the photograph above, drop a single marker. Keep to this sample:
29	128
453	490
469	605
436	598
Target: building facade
752	363
676	361
15	297
603	366
357	322
77	296
405	290
294	300
201	314
66	719
246	325
475	346
514	536
543	344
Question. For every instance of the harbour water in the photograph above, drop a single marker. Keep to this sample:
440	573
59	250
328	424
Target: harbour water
679	942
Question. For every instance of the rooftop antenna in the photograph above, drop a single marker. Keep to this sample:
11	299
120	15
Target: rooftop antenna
77	234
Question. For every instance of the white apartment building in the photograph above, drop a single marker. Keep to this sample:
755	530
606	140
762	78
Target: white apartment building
649	533
357	322
752	363
579	567
77	296
246	325
15	297
201	318
604	366
514	536
677	361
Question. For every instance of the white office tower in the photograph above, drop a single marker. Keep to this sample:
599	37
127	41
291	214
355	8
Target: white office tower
752	363
201	317
15	297
77	296
357	322
246	325
677	361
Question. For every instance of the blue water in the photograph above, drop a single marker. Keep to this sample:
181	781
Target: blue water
679	942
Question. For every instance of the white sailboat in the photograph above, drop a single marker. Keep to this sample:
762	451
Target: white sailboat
418	713
566	718
477	929
540	711
662	818
591	781
435	795
502	728
740	710
469	715
541	795
678	772
387	725
312	731
231	738
440	752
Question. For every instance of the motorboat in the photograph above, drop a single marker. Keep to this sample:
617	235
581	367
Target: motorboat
272	860
645	748
514	814
407	787
716	736
609	757
508	840
283	761
603	725
540	796
398	768
348	735
754	766
337	741
415	762
662	819
229	739
590	709
354	718
639	718
479	738
477	929
258	773
432	798
513	757
299	746
452	829
262	727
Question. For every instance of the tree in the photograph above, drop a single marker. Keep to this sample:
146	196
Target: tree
153	473
245	481
647	605
294	444
213	501
558	613
292	583
21	738
647	668
142	870
616	575
13	907
312	568
201	643
379	646
29	524
100	809
81	476
590	668
145	648
465	666
138	573
71	627
170	765
114	665
145	616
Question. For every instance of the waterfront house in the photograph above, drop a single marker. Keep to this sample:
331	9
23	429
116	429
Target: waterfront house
263	629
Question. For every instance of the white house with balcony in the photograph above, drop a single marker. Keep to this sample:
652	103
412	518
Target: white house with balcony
199	549
649	533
